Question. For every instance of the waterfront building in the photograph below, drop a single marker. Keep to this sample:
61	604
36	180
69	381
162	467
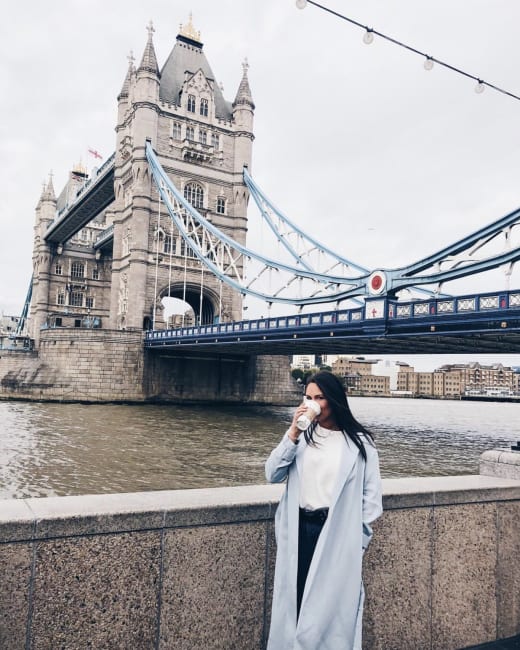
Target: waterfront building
347	365
359	376
115	272
457	380
358	384
416	383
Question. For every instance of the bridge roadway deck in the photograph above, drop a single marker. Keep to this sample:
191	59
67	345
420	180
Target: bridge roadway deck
423	329
364	344
91	199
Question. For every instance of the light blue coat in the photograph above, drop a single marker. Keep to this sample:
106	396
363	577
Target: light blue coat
332	604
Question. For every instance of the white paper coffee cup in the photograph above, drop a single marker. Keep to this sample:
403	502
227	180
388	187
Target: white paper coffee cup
312	411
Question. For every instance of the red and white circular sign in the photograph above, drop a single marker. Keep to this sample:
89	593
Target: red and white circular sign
377	283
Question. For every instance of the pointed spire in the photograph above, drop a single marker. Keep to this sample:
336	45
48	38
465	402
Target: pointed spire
48	191
149	60
50	195
42	195
128	79
244	92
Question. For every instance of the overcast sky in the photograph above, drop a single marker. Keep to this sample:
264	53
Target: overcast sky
378	158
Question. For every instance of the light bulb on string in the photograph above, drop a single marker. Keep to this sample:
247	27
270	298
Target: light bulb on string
368	36
428	63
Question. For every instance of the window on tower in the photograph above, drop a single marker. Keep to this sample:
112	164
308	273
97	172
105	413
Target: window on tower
186	250
203	136
177	131
77	270
191	103
58	269
194	193
60	300
167	244
221	205
190	133
215	140
89	302
76	299
204	107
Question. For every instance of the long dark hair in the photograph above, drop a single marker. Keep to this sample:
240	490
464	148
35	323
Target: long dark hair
334	392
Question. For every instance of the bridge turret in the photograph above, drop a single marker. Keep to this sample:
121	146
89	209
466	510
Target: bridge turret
42	259
243	112
146	96
123	99
46	209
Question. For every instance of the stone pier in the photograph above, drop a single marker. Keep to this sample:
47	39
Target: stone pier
90	365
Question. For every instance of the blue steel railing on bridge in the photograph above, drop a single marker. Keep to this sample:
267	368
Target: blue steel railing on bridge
480	306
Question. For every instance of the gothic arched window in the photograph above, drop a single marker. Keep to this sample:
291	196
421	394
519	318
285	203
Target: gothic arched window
191	103
190	133
177	131
221	205
194	193
204	107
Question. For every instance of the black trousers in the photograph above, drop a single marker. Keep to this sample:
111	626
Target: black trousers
309	529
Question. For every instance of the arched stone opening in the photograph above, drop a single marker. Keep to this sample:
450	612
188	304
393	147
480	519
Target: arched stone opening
183	306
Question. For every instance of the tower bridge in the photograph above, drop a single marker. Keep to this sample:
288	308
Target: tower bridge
167	216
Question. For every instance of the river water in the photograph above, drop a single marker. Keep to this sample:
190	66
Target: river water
64	449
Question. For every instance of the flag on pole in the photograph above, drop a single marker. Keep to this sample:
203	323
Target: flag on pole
94	153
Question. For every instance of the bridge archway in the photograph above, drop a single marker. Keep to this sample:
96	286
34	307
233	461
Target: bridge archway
205	307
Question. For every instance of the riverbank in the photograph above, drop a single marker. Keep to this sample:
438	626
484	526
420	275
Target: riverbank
458	398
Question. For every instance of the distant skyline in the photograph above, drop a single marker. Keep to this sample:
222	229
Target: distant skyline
430	362
359	144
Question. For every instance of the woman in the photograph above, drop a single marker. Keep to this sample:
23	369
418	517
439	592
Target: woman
333	493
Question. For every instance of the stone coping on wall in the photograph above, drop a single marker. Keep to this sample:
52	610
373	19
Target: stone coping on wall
52	517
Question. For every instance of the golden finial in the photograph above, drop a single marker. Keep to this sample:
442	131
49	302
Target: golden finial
79	168
189	31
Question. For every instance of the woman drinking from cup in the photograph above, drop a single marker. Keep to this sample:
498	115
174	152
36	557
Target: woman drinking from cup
332	494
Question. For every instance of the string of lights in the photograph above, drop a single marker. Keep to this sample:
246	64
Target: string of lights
429	61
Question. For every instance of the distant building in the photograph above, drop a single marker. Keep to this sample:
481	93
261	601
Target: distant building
456	380
358	375
303	361
8	324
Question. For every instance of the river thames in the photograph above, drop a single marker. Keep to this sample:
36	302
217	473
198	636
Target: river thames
63	449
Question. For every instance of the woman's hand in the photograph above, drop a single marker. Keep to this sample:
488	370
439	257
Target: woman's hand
294	433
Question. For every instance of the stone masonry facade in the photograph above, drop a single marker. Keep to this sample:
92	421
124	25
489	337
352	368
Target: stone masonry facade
91	302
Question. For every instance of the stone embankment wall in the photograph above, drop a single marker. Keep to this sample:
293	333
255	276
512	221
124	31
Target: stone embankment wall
194	568
110	366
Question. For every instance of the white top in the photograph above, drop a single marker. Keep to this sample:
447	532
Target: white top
320	468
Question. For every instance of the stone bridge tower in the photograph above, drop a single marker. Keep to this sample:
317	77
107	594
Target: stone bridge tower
203	143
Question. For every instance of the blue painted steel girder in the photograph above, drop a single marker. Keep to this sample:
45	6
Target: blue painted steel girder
486	323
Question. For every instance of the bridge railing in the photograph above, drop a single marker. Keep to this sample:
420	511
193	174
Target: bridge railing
388	309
